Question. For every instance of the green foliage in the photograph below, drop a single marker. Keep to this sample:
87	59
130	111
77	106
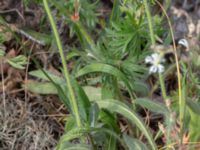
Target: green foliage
41	88
116	106
134	144
86	11
18	61
2	53
78	132
193	127
127	36
105	69
152	106
105	88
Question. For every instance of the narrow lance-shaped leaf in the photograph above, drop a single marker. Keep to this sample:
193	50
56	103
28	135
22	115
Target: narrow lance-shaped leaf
83	100
105	68
71	146
121	108
40	74
50	77
93	115
80	131
40	87
134	144
194	106
152	106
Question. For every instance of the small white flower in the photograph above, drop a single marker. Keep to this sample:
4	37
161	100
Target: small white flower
184	43
155	61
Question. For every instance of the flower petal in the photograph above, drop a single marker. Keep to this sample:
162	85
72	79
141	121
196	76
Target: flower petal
153	69
149	60
184	43
160	68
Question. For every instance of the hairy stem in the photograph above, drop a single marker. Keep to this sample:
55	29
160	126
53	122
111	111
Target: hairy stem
65	69
149	22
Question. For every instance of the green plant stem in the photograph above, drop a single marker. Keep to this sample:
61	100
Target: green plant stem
162	85
164	95
161	80
166	7
66	73
149	22
181	100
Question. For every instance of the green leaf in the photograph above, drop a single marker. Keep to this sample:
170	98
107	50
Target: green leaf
15	65
134	144
111	143
194	106
80	131
70	146
93	93
115	10
152	106
70	123
42	38
57	81
109	119
100	67
121	108
41	87
82	99
140	87
18	61
2	52
59	86
193	126
94	113
21	59
105	68
71	55
40	74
